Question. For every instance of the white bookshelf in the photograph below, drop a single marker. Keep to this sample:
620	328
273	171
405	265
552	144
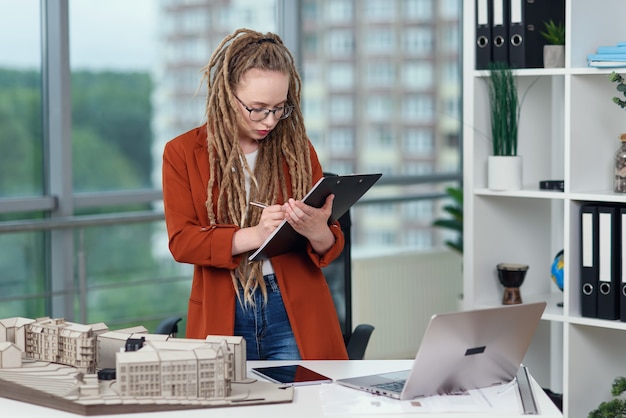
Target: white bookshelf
568	130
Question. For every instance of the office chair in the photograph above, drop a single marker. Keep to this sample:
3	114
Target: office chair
169	326
358	341
338	275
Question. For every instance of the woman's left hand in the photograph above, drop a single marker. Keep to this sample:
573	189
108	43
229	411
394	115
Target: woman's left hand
311	222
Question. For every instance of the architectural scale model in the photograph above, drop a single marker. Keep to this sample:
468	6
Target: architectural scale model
88	369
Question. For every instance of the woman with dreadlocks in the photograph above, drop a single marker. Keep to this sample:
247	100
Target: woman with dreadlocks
253	148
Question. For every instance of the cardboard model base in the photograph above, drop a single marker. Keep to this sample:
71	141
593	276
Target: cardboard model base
56	386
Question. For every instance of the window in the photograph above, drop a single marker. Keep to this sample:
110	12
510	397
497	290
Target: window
310	44
21	156
339	167
341	76
418	108
192	21
418	41
370	84
418	142
341	109
21	136
380	137
450	9
111	87
379	74
311	75
341	141
310	10
449	38
379	108
421	239
339	11
340	43
418	9
380	41
417	168
418	75
312	106
379	9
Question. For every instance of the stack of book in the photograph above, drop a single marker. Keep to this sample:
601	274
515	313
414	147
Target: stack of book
608	56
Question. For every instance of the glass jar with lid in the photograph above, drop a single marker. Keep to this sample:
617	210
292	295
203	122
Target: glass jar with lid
620	166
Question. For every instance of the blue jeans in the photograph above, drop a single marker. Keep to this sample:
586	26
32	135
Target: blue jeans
266	327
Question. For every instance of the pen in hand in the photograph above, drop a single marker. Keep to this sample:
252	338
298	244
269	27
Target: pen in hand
259	205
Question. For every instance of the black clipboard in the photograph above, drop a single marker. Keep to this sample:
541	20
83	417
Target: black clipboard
348	189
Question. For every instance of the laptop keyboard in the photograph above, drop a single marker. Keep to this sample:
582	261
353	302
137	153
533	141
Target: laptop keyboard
395	386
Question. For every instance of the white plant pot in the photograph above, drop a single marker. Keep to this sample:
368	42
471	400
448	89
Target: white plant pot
554	56
504	172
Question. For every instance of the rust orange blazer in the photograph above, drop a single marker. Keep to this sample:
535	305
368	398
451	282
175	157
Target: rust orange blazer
192	240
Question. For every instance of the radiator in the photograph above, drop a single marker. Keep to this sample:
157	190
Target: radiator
397	293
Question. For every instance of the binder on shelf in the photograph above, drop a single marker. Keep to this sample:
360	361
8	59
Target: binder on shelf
588	260
608	263
622	264
483	34
526	22
517	34
499	31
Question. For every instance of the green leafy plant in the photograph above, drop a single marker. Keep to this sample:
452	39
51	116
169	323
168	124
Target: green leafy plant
554	33
621	87
455	223
503	102
615	408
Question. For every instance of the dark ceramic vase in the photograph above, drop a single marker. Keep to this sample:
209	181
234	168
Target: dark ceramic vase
511	276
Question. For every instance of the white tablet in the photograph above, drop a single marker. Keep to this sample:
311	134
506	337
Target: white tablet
293	375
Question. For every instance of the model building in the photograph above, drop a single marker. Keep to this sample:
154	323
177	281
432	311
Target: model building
146	365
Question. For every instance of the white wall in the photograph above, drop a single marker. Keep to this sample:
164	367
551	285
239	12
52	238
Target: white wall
398	293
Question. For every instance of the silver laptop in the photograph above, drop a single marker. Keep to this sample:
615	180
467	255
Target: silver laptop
461	351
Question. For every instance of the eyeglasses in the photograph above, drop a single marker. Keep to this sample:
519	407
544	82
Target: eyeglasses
257	115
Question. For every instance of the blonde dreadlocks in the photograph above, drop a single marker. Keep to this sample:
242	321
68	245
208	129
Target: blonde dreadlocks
244	50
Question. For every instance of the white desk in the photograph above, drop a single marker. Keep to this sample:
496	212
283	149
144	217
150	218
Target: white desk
308	401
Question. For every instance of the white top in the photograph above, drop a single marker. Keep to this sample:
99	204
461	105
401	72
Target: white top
251	160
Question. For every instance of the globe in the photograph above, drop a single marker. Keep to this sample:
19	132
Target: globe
557	270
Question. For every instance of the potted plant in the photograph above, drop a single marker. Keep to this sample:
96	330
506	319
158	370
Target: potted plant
619	184
455	222
504	166
621	87
554	51
616	407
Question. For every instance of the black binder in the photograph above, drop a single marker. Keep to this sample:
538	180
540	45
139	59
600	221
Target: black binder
483	34
622	261
526	22
588	260
608	262
500	31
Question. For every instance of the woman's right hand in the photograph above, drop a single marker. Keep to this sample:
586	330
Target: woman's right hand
271	217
